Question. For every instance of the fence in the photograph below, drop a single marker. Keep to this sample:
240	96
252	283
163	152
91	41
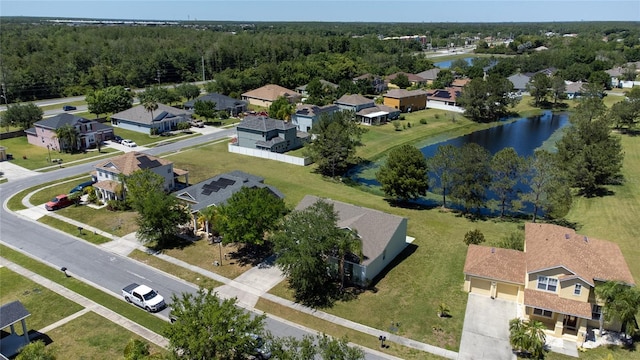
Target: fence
441	106
294	160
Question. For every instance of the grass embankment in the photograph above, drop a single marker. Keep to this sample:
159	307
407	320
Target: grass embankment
73	230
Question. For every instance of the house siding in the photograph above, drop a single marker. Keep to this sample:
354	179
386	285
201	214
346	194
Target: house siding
396	245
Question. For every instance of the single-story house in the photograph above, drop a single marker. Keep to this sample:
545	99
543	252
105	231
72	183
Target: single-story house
218	190
110	174
573	89
377	82
266	95
137	118
429	75
446	96
90	132
460	83
10	314
414	79
377	115
223	103
264	133
520	81
383	235
406	100
302	90
354	102
308	115
553	280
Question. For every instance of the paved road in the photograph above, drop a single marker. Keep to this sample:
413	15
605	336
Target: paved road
106	270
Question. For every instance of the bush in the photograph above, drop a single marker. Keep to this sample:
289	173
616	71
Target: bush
409	125
184	126
92	197
514	241
424	121
437	116
117	205
474	237
396	125
402	117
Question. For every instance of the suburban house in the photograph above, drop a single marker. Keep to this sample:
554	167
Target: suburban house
377	82
383	236
264	133
137	118
308	115
267	94
218	189
519	81
446	96
43	132
552	280
414	80
574	89
460	83
625	76
302	90
429	75
376	115
232	106
406	100
110	174
355	102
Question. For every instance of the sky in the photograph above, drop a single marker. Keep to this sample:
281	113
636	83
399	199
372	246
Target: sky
331	11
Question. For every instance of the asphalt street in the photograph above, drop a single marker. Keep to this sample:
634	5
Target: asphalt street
104	269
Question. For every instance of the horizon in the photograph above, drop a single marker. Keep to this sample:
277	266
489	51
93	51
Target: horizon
330	11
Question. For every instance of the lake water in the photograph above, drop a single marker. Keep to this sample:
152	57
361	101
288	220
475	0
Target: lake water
447	64
524	135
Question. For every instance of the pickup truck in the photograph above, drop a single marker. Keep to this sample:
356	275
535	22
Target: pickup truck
143	296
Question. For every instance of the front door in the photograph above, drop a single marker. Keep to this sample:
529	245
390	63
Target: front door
570	322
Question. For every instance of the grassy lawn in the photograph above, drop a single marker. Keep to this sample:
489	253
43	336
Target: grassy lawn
36	157
15	203
90	336
172	269
73	230
118	223
600	353
62	187
33	296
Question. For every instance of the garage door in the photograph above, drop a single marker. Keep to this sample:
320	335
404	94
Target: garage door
507	292
480	286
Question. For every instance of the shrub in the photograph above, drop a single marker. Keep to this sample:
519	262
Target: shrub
184	126
396	125
437	116
424	121
117	205
408	125
402	117
474	237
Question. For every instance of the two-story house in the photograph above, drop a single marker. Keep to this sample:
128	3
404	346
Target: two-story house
414	80
110	174
306	116
354	102
378	84
553	280
264	133
266	95
406	100
90	132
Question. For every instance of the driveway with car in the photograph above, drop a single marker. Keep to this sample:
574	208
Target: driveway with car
485	334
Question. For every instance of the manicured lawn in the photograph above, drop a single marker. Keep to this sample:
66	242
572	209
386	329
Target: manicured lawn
118	223
33	296
73	230
15	203
600	353
91	336
182	273
34	157
62	187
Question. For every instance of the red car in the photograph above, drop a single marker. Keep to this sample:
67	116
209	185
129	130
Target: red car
58	202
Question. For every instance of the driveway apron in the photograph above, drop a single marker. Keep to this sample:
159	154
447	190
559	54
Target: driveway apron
485	334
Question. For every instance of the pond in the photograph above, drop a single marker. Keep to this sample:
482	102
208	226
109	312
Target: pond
525	135
447	64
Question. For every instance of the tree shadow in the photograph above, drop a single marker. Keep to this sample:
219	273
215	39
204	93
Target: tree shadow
175	242
253	255
413	205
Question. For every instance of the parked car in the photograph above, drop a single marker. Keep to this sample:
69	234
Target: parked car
144	297
68	108
58	202
129	143
117	139
81	186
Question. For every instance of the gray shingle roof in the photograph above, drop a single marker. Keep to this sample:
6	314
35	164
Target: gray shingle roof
519	81
138	114
430	74
60	120
312	110
354	99
11	313
218	189
263	123
223	102
376	228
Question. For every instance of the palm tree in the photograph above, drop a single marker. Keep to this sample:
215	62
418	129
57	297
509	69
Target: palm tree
348	243
621	302
208	216
527	336
67	136
517	334
150	105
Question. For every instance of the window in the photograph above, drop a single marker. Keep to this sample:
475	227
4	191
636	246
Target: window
596	312
541	312
577	289
168	170
547	283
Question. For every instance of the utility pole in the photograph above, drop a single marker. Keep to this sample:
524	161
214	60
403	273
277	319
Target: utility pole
4	95
158	76
203	79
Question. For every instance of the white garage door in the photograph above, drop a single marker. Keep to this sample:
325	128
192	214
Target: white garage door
480	286
507	292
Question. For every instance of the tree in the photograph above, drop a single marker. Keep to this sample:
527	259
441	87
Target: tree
472	176
487	100
281	109
443	79
349	243
514	240
141	183
150	106
206	109
208	327
188	91
538	87
303	244
208	218
21	115
35	350
318	347
474	237
109	100
68	137
404	175
158	94
334	148
139	350
527	336
549	188
626	112
621	303
442	166
558	88
507	169
250	214
401	80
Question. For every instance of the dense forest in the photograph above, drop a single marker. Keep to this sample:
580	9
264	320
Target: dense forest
40	59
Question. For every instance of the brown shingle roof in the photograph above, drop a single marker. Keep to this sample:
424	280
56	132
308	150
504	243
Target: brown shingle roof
495	263
354	99
130	162
411	77
550	246
403	93
460	82
108	185
553	302
271	92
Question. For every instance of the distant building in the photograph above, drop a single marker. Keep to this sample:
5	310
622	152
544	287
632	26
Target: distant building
266	95
306	116
43	132
406	100
264	133
138	119
223	103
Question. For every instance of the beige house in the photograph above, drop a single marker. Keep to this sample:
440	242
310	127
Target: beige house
553	280
267	94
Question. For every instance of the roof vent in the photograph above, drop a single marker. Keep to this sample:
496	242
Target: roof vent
493	250
567	236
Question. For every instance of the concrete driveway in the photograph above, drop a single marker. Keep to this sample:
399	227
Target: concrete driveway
485	334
